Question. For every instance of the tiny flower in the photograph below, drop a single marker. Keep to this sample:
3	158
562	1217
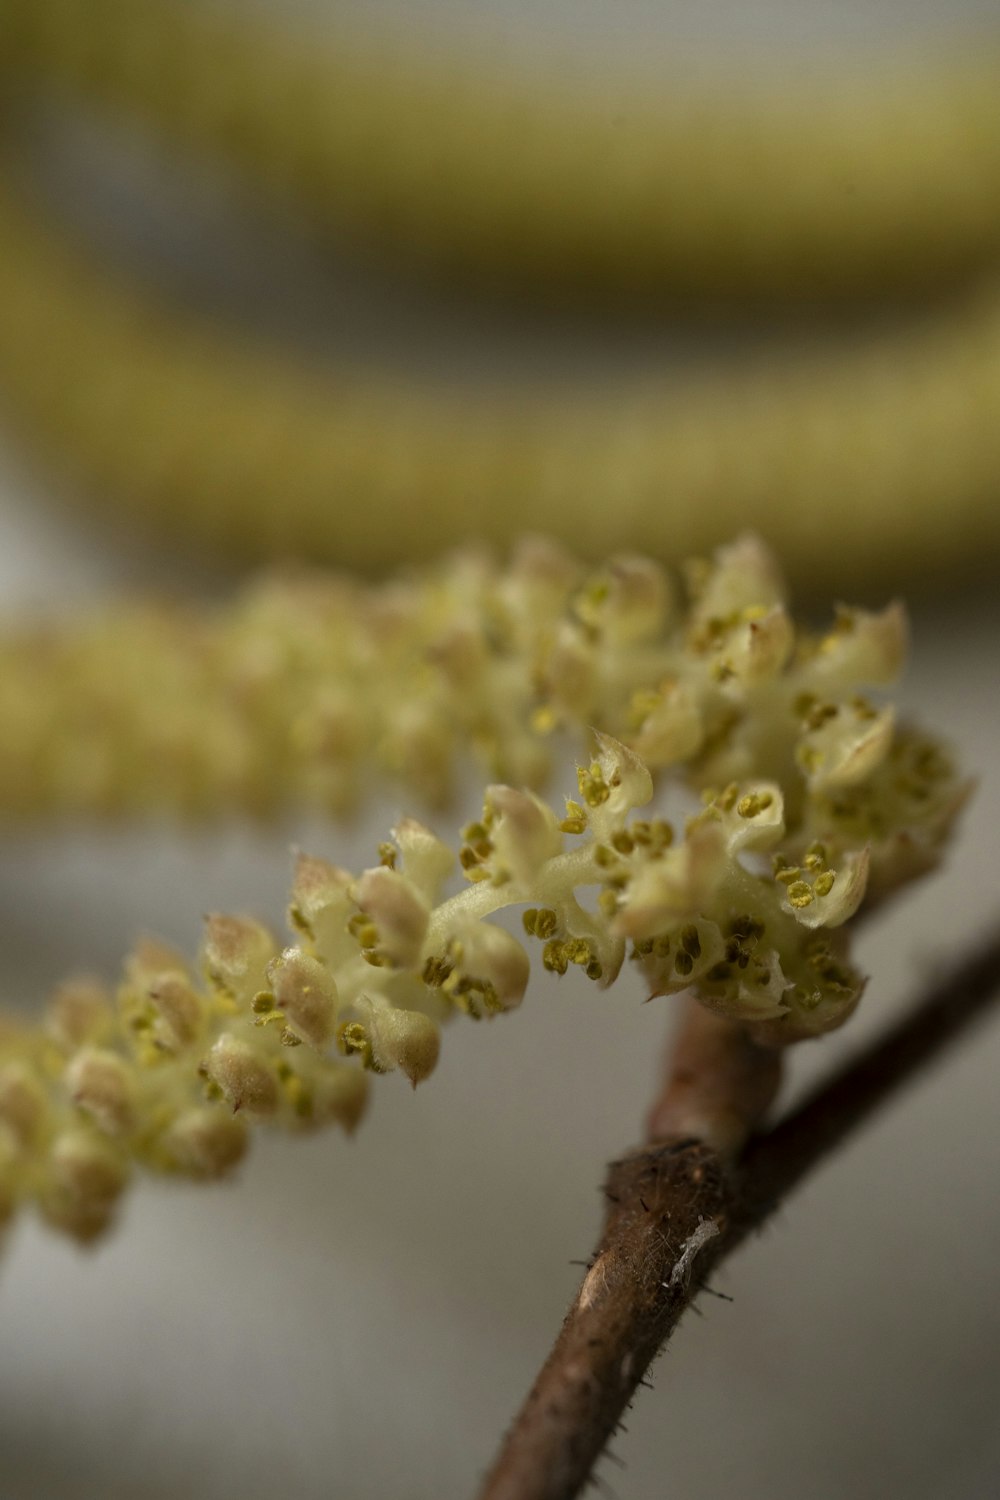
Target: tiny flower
304	991
207	1142
682	956
79	1011
680	883
628	602
862	649
759	647
823	991
748	985
827	898
101	1084
149	956
742	575
523	831
334	1094
397	911
427	861
847	746
181	1010
236	952
570	674
86	1176
321	907
486	965
617	782
752	816
669	724
244	1077
541	576
404	1039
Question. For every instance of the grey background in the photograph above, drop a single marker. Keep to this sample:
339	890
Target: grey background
360	1320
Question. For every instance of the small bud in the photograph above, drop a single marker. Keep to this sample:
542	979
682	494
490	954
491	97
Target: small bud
246	1081
493	961
338	1094
760	648
180	1009
670	725
847	747
427	861
86	1178
743	574
539	580
570	672
99	1083
398	911
679	884
207	1142
304	990
236	953
625	774
523	831
79	1011
863	649
150	956
404	1039
321	906
629	602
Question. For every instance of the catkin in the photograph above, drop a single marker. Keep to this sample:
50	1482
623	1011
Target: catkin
878	465
884	180
803	797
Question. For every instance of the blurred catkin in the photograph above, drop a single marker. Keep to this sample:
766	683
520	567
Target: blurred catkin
882	181
877	465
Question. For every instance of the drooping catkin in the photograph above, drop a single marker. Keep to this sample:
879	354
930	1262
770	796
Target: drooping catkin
874	467
877	179
805	799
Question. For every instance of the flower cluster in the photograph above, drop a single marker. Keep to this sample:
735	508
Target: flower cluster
801	798
308	689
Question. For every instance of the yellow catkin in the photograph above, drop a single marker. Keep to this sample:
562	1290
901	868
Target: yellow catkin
880	464
300	687
885	179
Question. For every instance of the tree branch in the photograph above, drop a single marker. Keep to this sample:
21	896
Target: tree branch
677	1206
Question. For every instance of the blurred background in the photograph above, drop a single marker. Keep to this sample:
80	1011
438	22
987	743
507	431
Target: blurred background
361	1319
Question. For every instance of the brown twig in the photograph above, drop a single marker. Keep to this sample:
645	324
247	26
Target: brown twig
676	1206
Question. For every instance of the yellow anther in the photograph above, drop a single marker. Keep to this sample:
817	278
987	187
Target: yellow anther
575	820
554	957
753	804
816	857
593	788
